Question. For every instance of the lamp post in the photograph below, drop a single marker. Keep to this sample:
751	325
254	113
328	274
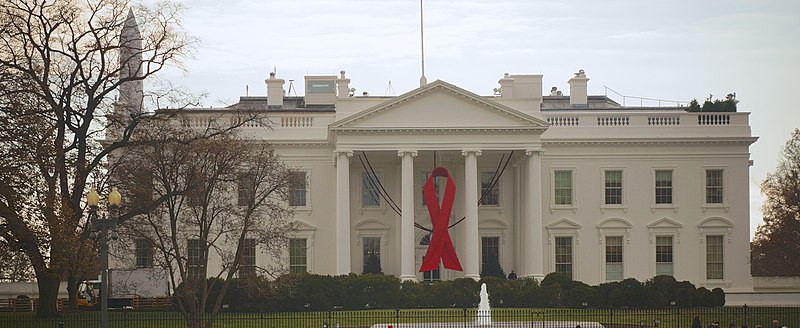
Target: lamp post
100	227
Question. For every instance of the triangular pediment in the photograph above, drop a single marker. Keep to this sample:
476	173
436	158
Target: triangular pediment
564	224
665	223
303	226
439	105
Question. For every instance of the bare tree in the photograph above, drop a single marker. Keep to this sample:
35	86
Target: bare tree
70	63
219	196
775	250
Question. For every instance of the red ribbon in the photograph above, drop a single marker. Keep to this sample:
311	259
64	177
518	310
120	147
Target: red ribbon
441	246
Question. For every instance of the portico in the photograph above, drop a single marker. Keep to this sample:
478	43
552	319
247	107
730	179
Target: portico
453	128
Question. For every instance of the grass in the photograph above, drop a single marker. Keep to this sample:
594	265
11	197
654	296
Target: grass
668	318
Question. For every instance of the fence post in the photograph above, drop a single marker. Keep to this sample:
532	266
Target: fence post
465	316
745	314
397	316
611	315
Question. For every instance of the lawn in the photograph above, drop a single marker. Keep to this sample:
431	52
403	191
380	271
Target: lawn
669	318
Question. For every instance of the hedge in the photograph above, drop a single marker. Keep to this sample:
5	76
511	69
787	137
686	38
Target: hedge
309	292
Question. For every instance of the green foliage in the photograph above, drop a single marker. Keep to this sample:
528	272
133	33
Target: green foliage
719	296
775	250
717	105
308	292
372	264
491	268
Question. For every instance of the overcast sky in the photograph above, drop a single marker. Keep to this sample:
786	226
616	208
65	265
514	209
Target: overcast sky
674	50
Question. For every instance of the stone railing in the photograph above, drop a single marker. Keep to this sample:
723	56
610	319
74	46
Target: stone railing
281	121
294	121
643	119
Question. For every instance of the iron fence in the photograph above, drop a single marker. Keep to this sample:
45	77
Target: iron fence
419	318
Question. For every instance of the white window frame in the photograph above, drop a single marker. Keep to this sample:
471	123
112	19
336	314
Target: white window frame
603	205
674	205
725	190
372	228
239	177
497	188
716	226
564	228
614	227
150	256
493	228
622	262
255	259
666	227
306	231
290	252
553	205
421	250
655	253
424	178
381	202
307	206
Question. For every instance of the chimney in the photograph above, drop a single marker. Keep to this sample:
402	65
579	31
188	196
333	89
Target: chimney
527	86
578	97
506	87
274	91
343	86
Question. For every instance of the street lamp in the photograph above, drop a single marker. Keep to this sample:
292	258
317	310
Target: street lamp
100	227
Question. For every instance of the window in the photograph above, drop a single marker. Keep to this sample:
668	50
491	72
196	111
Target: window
369	190
195	190
489	193
248	266
372	254
614	269
564	255
664	253
663	186
613	187
433	275
142	190
298	262
144	253
194	261
563	187
245	189
297	192
714	257
714	186
490	253
426	175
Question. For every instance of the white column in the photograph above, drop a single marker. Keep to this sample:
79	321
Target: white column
407	248
471	239
533	226
343	211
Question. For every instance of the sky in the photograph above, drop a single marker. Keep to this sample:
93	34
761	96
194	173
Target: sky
672	50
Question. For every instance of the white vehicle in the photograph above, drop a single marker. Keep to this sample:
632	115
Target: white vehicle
125	287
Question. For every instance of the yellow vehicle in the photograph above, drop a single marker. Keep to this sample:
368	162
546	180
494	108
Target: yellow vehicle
88	293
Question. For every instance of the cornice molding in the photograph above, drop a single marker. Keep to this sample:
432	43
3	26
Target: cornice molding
414	130
651	141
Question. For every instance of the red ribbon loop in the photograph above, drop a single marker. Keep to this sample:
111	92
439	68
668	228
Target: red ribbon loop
441	246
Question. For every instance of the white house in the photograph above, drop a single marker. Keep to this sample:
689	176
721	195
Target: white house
585	186
593	189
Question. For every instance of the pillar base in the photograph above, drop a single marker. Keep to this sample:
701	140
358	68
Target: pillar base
537	277
408	278
475	277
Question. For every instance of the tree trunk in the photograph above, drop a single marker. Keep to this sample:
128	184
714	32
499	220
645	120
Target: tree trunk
48	295
72	290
